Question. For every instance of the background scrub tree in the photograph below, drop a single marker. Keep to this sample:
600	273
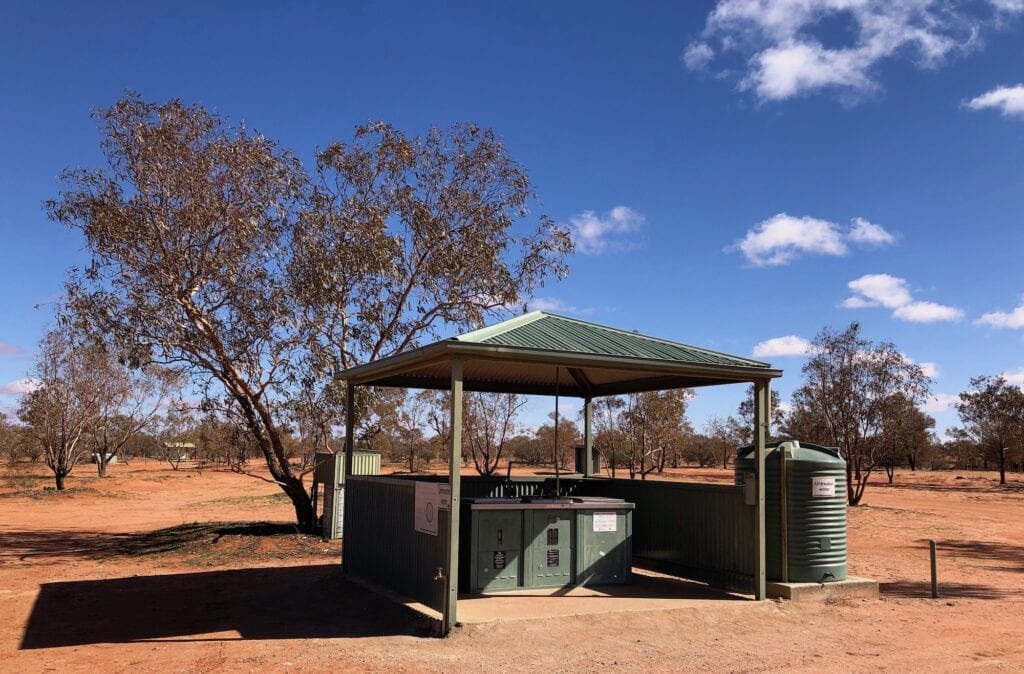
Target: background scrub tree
69	380
993	419
849	382
489	421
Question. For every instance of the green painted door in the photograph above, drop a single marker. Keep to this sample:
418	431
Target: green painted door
549	548
603	547
498	538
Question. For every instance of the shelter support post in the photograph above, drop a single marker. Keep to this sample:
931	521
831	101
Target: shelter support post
588	437
455	484
761	404
350	434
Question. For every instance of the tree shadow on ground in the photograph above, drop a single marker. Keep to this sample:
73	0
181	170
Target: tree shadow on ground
1006	556
908	589
57	546
294	602
967	485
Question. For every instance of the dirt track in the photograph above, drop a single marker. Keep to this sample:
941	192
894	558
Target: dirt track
126	574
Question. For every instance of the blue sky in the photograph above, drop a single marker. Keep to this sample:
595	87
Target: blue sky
735	171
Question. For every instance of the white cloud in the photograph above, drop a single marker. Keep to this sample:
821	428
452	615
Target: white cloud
1008	100
927	312
874	290
790	345
594	234
870	234
1004	319
940	402
783	238
789	47
557	306
929	369
8	349
697	55
19	387
891	292
1016	378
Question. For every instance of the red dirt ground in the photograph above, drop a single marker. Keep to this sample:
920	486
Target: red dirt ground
133	573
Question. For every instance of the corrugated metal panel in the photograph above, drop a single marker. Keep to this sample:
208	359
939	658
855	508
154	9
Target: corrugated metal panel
381	545
543	331
703	532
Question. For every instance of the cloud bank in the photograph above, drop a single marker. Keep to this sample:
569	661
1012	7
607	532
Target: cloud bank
791	48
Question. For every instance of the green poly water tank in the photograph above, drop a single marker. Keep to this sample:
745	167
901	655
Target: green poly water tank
816	510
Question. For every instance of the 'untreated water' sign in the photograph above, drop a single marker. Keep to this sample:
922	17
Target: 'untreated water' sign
823	487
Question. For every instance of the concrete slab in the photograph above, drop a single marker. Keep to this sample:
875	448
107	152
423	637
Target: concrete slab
649	591
851	587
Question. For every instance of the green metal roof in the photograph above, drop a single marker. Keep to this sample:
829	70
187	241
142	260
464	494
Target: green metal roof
550	332
547	354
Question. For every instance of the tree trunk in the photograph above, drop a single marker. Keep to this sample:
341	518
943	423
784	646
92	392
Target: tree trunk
912	460
890	470
1002	466
59	477
101	466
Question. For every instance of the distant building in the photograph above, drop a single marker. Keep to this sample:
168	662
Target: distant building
183	449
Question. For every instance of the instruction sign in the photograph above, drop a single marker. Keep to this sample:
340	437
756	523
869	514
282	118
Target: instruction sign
445	494
427	502
823	487
604	522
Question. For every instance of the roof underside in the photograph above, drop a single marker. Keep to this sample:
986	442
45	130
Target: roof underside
543	353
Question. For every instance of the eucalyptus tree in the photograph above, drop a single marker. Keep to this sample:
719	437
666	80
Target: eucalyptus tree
654	422
131	402
188	226
906	430
70	379
489	421
849	381
213	250
743	423
992	413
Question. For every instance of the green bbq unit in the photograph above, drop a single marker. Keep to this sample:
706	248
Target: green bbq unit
534	542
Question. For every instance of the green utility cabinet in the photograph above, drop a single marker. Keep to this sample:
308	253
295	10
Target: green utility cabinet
533	542
549	541
604	546
496	537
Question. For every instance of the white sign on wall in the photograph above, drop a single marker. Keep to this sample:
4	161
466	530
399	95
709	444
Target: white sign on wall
604	521
444	492
823	487
428	499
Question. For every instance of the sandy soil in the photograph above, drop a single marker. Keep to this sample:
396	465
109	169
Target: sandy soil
154	569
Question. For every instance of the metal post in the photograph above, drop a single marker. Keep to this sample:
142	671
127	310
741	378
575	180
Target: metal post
455	485
588	437
783	485
760	405
350	426
350	434
935	572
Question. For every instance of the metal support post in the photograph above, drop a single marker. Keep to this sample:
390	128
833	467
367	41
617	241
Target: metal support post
455	485
761	392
